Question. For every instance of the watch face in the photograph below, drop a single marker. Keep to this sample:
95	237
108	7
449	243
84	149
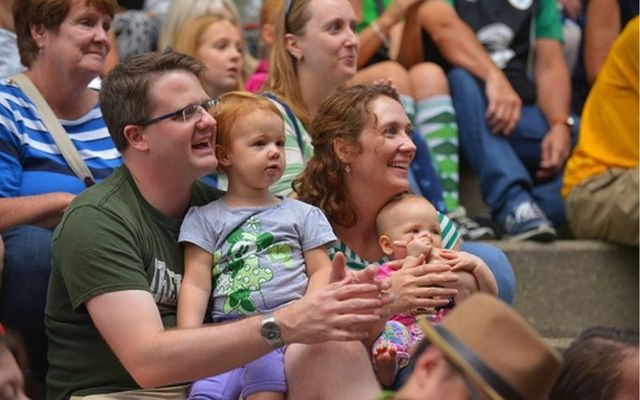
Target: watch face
270	330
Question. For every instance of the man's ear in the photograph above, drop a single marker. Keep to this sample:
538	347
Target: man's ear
385	245
426	365
292	46
342	150
222	155
135	136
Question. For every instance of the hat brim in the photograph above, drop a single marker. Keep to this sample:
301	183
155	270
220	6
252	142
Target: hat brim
436	337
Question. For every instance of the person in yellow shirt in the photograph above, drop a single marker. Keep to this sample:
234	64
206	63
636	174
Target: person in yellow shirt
601	178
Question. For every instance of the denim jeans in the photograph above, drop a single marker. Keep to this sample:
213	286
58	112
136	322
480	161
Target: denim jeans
504	165
27	266
423	178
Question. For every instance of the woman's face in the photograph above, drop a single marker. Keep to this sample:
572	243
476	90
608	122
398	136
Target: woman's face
387	149
329	46
221	51
80	42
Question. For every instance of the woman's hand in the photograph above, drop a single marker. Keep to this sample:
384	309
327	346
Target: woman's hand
352	307
466	285
419	285
11	380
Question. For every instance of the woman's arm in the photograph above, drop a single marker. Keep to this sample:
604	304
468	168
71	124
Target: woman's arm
43	210
196	286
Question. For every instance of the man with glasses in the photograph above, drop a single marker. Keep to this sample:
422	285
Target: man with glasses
483	350
117	267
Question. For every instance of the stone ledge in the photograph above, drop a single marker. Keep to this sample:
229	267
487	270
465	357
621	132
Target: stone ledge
567	286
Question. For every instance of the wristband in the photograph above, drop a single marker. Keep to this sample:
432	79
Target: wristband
378	32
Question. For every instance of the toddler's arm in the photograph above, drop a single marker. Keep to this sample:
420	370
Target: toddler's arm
463	261
318	267
196	286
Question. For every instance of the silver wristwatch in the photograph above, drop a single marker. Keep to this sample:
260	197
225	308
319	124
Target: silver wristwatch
270	331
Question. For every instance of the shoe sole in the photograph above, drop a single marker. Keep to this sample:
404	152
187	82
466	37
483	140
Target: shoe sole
487	235
542	233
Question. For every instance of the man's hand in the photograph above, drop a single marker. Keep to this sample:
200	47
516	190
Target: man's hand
556	146
503	111
354	306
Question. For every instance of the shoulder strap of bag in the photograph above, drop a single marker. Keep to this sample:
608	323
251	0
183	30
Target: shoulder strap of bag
291	116
57	131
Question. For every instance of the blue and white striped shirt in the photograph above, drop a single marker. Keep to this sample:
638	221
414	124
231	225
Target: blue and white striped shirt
30	161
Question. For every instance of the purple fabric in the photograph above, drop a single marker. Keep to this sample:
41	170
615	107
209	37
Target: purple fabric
266	374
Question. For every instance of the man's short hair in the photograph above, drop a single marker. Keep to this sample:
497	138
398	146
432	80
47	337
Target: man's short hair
124	94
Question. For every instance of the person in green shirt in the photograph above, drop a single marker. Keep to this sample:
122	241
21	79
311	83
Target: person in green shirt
117	266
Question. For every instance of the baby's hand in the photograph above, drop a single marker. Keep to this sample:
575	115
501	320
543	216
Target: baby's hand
418	246
458	260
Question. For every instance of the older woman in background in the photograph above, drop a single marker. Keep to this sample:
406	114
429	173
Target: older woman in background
64	45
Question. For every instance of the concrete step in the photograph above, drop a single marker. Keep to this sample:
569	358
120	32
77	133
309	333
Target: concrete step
569	285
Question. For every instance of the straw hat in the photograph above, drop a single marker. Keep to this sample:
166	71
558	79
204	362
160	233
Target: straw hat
496	348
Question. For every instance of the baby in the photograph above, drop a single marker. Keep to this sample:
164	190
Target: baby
408	226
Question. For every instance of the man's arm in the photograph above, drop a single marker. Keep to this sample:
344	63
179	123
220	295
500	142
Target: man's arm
554	96
130	323
459	45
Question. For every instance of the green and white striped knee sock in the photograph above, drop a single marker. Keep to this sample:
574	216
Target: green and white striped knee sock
436	121
409	107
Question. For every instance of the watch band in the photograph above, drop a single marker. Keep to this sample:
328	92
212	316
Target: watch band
569	121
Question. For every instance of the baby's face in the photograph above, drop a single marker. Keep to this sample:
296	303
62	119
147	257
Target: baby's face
415	220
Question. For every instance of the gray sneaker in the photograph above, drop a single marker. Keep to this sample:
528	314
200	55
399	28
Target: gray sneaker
468	228
527	222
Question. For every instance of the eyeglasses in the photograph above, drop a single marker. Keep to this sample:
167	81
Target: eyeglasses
188	113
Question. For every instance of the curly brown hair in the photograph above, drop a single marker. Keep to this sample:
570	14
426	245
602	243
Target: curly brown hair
342	115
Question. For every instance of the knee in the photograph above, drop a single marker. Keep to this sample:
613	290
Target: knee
428	79
397	74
